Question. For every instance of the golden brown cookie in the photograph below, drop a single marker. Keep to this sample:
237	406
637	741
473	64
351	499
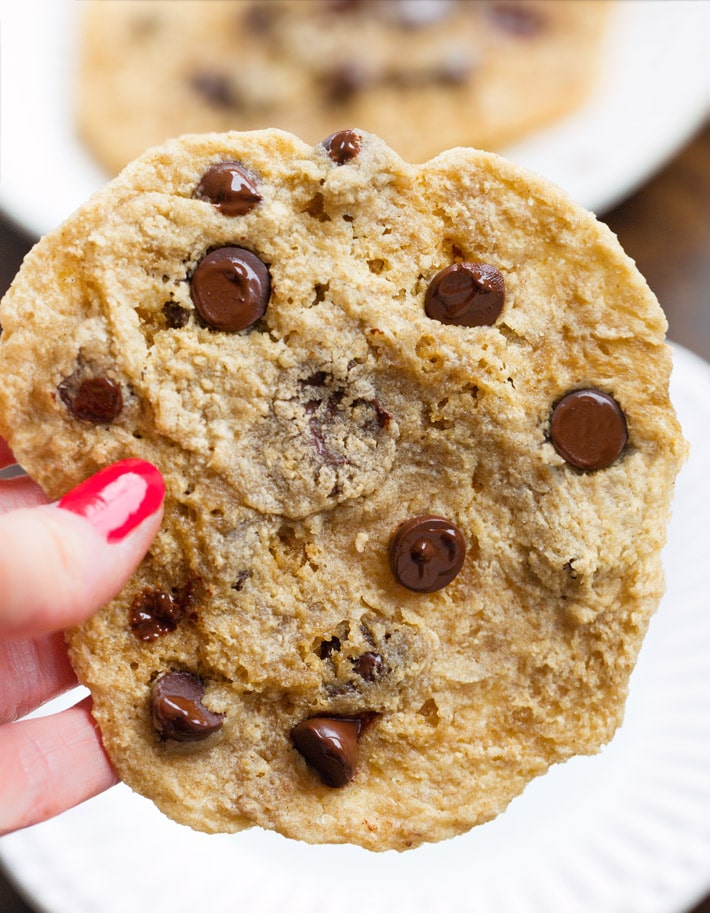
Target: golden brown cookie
419	454
426	75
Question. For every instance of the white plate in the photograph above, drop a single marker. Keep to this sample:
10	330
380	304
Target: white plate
627	831
652	96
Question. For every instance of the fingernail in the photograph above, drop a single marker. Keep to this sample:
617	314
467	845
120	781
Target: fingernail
117	499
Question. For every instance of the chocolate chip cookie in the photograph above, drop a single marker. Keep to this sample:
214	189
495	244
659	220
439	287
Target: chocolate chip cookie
426	75
419	454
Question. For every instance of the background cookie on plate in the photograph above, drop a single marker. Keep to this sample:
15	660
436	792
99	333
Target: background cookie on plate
419	454
426	75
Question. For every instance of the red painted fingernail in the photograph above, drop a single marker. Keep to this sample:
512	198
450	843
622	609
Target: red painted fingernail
117	499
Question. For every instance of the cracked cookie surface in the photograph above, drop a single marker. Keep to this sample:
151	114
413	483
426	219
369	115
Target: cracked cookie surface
415	502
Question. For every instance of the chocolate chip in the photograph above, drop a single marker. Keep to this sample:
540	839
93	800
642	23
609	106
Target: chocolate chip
216	89
177	709
242	578
94	399
368	666
343	6
329	746
259	19
522	20
343	146
229	188
329	646
466	294
343	82
176	317
588	429
154	613
426	553
231	288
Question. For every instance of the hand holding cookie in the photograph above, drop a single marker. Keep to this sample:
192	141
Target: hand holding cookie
59	563
419	454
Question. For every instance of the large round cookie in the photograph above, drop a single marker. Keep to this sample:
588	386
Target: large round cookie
425	75
419	453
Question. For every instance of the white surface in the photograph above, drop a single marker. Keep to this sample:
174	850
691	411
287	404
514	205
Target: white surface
652	96
627	831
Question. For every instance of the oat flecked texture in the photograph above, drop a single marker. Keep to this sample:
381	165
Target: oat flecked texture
294	449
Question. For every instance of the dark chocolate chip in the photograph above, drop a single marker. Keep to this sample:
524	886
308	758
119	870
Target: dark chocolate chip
259	19
231	288
177	709
95	399
343	6
154	613
329	646
426	553
216	89
519	19
176	317
229	187
588	429
342	83
343	146
329	746
369	666
466	294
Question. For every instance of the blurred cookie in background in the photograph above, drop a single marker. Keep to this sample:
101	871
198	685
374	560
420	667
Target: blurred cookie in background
424	74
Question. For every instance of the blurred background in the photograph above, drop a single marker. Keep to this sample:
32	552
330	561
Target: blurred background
609	99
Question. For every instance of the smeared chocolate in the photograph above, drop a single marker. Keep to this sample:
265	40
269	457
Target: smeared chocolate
342	147
231	288
426	553
230	189
321	416
177	710
93	399
588	429
154	612
466	294
329	746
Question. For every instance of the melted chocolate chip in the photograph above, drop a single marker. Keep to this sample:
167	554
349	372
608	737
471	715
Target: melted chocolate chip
229	188
94	399
466	294
231	288
329	746
426	553
588	429
177	709
343	146
154	613
369	666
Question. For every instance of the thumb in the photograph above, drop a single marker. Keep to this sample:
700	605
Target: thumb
61	562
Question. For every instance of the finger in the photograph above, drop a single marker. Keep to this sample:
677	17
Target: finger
50	764
7	457
20	492
60	562
33	671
